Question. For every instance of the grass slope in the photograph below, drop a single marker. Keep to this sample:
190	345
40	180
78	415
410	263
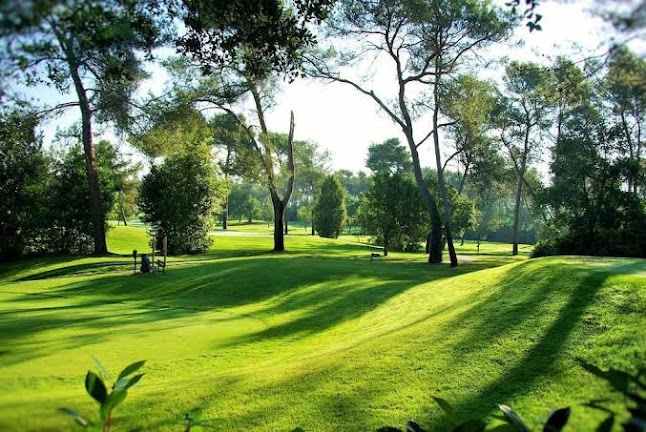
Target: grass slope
319	337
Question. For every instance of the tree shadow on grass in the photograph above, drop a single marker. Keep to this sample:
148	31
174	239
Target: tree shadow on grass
123	301
541	341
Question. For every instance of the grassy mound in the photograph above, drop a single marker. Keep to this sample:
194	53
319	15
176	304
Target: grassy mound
319	337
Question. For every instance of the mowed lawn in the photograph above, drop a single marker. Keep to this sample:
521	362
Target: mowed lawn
319	337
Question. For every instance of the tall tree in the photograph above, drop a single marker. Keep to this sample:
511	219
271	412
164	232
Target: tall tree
522	118
424	42
389	156
470	103
392	209
89	49
238	159
312	165
626	92
329	212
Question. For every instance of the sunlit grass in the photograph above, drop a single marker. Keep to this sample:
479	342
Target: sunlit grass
319	337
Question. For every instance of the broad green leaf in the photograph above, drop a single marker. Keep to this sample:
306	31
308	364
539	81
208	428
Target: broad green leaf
448	409
557	420
471	426
114	400
130	369
78	418
513	418
103	372
125	383
95	387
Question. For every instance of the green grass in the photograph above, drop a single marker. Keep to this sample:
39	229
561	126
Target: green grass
318	337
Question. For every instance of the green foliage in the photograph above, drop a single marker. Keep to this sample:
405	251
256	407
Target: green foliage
239	158
257	36
109	397
392	210
23	185
594	196
330	213
50	43
174	130
633	386
390	157
179	199
70	220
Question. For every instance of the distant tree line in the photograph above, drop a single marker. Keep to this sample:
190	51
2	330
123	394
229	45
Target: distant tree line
489	179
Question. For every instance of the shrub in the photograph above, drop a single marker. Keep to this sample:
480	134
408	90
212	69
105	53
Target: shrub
179	199
109	397
23	184
330	212
544	248
70	219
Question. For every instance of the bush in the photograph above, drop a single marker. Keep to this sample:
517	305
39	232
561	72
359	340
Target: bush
544	248
23	184
330	212
179	199
70	219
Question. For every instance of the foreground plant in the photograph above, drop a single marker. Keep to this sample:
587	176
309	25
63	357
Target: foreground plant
632	386
97	386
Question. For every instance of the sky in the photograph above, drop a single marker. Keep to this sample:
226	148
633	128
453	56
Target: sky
345	122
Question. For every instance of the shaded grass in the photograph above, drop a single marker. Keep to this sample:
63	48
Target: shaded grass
318	337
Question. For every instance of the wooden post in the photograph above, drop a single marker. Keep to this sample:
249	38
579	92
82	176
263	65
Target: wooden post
165	252
134	255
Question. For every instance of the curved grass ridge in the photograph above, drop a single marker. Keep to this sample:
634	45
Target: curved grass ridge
323	340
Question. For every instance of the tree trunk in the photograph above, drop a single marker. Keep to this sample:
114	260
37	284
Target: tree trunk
286	223
313	233
434	241
225	213
462	241
440	176
123	216
386	245
463	180
279	213
279	204
519	193
96	210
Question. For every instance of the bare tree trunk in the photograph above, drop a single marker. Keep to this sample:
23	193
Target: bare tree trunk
96	210
313	233
279	213
519	192
440	174
225	213
123	217
122	212
434	240
463	180
386	244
